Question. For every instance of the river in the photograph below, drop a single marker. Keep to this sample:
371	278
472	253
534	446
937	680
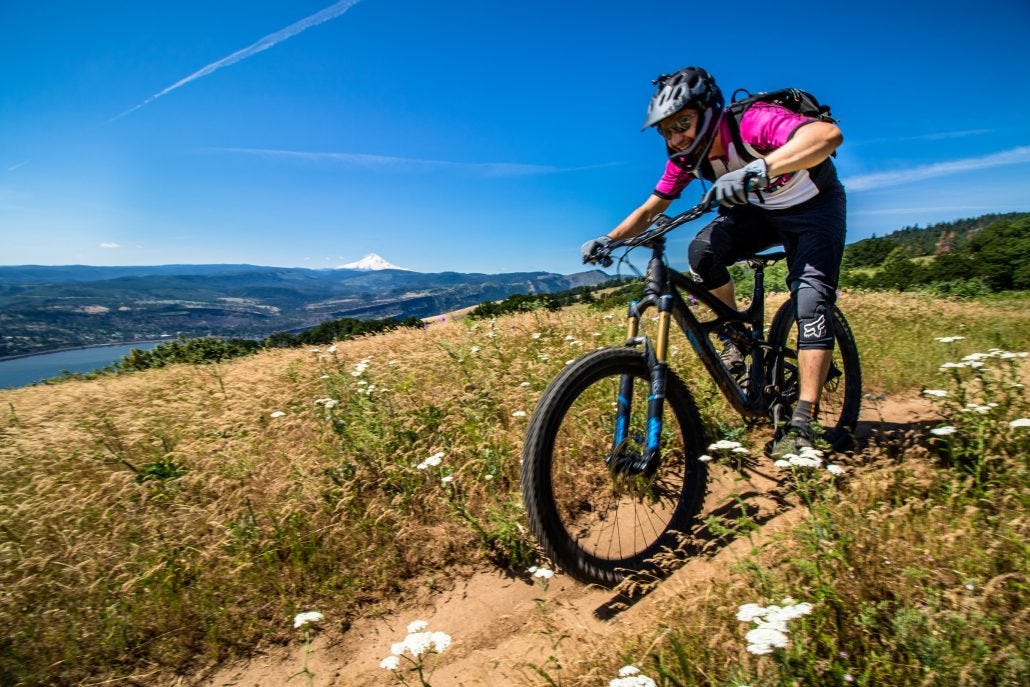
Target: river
17	372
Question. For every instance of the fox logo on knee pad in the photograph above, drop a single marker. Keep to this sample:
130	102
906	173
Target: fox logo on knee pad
815	329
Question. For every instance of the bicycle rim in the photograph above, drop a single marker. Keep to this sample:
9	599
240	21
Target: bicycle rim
595	513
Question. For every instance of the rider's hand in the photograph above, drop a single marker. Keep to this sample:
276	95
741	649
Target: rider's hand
590	246
732	188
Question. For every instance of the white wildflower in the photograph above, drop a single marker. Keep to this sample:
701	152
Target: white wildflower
544	357
741	449
432	461
749	612
704	458
835	469
535	335
440	640
417	626
417	643
782	463
524	384
936	393
1021	422
278	413
391	662
946	366
307	618
949	339
447	479
474	349
519	413
724	444
630	676
570	338
762	640
943	431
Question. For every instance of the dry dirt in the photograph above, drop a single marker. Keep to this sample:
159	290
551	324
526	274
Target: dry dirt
501	625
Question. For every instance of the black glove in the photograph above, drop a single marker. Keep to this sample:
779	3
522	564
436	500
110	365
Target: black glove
592	245
732	188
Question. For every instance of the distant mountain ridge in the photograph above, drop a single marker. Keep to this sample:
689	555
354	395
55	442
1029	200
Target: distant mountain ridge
45	308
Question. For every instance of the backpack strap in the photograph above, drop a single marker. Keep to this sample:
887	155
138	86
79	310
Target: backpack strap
734	113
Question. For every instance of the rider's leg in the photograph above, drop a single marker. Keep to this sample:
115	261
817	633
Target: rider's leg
813	366
813	236
735	233
725	293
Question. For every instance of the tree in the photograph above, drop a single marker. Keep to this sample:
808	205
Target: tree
1001	253
897	271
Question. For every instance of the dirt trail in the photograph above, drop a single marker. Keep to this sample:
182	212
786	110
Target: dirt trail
502	625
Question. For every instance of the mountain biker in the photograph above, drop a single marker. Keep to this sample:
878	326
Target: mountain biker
800	204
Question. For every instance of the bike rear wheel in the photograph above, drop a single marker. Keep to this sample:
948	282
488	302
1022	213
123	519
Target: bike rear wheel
841	398
596	518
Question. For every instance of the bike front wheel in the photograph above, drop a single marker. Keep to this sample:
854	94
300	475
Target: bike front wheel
841	396
596	514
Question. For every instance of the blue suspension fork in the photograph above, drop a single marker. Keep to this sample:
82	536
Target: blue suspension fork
624	403
656	399
659	370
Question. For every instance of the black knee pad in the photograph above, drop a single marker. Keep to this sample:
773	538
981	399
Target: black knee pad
812	312
704	263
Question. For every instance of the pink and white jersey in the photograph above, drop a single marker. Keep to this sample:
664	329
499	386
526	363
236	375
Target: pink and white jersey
763	128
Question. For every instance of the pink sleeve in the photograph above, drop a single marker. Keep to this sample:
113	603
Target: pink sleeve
673	181
766	127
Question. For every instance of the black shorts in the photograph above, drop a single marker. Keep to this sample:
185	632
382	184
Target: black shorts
811	233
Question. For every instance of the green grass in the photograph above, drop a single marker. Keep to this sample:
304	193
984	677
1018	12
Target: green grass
159	521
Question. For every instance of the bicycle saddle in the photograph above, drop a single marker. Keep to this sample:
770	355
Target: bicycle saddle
763	259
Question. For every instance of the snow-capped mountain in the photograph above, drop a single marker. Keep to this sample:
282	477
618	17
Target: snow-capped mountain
372	261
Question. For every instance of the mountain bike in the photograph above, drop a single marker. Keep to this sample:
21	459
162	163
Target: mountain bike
611	477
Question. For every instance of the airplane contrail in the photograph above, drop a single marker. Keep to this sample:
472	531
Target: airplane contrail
261	45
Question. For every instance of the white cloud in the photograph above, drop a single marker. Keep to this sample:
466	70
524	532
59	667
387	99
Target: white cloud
867	182
261	45
403	164
936	136
110	244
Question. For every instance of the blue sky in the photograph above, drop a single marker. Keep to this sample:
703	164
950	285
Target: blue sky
467	136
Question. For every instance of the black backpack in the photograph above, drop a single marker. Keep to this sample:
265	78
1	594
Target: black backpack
793	99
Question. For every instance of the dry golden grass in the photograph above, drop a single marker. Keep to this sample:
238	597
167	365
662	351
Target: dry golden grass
153	521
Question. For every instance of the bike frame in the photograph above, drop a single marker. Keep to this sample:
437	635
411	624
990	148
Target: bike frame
662	291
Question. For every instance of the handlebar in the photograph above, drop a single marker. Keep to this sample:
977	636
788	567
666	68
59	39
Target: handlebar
660	225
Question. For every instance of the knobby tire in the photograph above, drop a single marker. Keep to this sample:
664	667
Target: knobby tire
596	523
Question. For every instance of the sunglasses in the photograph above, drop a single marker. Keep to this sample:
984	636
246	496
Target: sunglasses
677	126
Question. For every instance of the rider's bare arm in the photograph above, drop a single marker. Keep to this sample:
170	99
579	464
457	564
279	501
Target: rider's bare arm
810	145
641	218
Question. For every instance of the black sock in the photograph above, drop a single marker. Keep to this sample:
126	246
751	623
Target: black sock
802	413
